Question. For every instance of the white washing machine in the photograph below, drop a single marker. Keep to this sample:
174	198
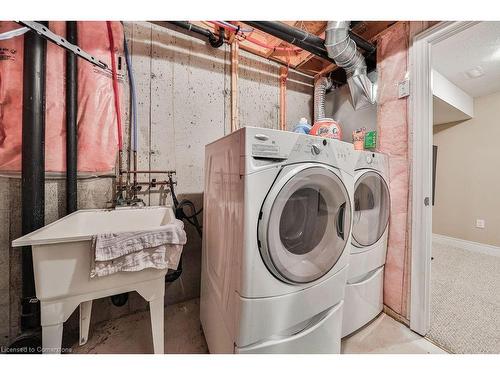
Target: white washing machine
277	232
365	282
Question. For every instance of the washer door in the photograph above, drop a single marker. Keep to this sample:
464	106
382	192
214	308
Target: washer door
371	209
305	223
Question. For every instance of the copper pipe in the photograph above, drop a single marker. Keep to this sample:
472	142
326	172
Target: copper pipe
145	171
152	183
283	78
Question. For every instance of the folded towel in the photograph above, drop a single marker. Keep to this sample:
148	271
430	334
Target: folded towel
135	251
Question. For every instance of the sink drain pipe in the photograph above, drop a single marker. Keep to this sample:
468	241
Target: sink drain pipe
71	119
33	165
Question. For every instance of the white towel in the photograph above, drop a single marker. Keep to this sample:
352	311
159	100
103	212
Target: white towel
135	251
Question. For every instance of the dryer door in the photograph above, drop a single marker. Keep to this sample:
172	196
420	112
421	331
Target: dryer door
305	223
371	209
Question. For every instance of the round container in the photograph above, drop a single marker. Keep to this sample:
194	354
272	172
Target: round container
327	128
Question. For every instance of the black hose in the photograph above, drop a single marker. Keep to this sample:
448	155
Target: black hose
180	214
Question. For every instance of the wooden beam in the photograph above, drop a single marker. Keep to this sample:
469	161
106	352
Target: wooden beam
234	84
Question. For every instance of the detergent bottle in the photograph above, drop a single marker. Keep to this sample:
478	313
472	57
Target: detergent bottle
302	127
327	128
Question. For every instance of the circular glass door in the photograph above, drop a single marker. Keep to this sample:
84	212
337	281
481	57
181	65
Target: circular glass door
371	209
305	225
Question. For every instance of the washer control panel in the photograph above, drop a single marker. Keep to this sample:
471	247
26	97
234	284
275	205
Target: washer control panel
315	149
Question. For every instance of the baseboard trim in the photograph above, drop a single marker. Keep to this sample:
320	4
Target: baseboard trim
467	245
396	316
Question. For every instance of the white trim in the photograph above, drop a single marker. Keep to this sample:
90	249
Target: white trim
421	179
467	245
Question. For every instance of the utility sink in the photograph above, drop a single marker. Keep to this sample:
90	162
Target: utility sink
61	263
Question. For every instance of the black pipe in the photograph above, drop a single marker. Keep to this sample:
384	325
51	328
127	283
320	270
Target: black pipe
71	119
33	164
214	41
362	43
292	35
301	38
300	35
220	41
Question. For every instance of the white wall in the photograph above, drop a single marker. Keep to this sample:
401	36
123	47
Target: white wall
450	102
467	178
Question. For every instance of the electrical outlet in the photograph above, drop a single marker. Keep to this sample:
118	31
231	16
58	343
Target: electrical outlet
480	223
404	89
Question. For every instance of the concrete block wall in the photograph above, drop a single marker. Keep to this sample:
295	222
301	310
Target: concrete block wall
183	89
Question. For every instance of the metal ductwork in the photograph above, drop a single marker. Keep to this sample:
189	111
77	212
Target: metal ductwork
343	50
320	87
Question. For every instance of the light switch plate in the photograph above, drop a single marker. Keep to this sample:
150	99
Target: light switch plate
480	223
404	89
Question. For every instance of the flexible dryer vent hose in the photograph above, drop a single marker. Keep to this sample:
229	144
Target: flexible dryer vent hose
320	87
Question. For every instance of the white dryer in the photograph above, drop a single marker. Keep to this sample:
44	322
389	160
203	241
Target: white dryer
365	282
277	232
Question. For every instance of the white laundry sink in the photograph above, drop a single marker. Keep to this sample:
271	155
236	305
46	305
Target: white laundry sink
62	260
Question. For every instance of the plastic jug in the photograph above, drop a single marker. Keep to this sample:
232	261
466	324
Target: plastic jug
302	127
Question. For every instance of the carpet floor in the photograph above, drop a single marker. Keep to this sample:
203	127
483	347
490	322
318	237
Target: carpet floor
465	300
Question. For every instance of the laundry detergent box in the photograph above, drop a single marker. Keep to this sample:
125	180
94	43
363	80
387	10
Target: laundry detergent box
371	139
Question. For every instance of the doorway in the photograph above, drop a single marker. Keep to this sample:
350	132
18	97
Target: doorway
455	259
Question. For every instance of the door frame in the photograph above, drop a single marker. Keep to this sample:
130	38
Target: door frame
421	113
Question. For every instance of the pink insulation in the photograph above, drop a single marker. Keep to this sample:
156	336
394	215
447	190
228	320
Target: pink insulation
97	135
392	61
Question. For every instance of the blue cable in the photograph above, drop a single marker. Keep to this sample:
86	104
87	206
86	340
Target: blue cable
132	95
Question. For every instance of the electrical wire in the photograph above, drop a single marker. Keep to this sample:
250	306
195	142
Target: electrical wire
115	84
243	30
132	94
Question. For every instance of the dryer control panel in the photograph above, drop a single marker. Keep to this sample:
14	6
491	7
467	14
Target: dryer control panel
373	160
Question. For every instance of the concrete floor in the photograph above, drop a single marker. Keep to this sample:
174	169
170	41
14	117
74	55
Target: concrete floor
183	335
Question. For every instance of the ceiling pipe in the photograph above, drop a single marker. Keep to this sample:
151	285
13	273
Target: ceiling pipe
214	41
71	119
305	38
33	165
308	42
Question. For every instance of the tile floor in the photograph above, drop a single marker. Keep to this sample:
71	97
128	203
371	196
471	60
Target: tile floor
183	335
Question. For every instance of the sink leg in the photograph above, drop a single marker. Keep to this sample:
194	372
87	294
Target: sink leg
52	338
157	319
85	312
154	291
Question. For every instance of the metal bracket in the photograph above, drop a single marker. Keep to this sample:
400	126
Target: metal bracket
45	33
